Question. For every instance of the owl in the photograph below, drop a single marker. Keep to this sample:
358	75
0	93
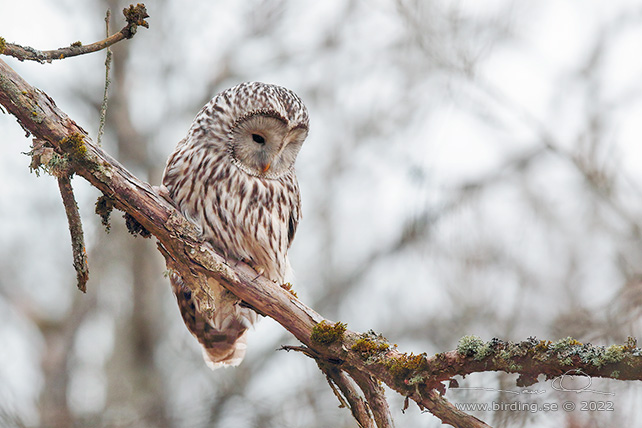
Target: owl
233	177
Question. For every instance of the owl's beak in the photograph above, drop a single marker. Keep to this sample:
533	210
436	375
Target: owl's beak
266	167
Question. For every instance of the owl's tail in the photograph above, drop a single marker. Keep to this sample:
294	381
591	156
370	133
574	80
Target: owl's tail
229	352
221	331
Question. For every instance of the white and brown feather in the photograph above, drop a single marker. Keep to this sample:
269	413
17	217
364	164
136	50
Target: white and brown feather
243	212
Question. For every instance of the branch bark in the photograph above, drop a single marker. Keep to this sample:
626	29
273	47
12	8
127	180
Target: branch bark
366	358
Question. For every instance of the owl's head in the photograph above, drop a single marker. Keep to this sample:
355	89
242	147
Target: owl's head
261	126
265	144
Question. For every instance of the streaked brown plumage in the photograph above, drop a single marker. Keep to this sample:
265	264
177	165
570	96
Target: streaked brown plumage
233	176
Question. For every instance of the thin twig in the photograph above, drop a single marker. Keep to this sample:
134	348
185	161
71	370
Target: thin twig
75	229
135	16
303	349
103	107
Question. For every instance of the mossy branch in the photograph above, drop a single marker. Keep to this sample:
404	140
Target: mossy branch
366	358
44	158
135	16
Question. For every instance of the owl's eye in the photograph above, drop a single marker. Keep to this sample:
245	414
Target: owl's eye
258	139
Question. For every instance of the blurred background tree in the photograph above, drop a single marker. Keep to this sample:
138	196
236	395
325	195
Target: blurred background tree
471	169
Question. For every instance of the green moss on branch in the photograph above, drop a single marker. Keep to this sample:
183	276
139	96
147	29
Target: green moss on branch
326	333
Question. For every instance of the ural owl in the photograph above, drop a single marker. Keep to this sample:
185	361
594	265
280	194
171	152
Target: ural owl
233	176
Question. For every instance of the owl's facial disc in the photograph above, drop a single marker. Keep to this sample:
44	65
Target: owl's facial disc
264	145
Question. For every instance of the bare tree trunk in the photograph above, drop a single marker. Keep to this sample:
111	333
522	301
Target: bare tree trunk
53	400
59	336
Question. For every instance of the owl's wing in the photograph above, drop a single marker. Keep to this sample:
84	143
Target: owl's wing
292	225
221	331
295	215
173	167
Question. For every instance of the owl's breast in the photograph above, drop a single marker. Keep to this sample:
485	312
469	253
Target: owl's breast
245	217
248	218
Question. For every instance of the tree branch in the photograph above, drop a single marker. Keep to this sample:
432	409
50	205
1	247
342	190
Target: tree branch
135	16
347	394
75	229
367	358
375	397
